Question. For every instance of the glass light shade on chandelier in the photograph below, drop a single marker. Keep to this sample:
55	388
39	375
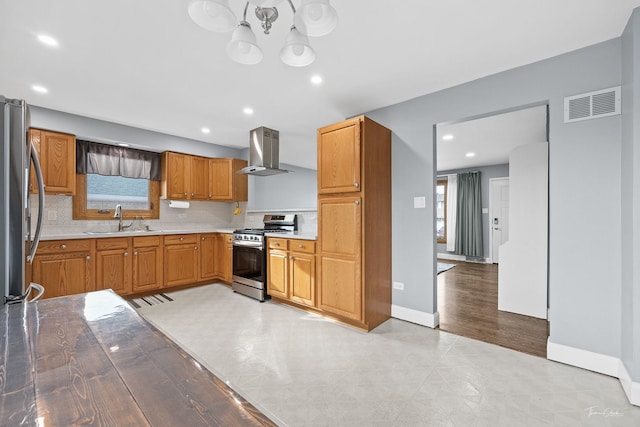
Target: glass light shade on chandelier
296	51
313	18
243	47
213	15
316	17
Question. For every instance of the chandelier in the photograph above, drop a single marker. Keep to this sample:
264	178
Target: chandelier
313	18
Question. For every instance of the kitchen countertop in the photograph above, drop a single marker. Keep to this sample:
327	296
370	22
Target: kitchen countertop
58	235
91	359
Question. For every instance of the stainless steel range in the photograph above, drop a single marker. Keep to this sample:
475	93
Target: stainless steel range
250	255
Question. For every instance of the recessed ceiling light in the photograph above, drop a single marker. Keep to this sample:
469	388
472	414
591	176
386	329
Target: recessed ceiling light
48	40
470	154
447	137
316	80
248	111
205	130
39	89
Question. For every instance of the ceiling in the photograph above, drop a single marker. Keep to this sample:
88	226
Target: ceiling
145	63
489	139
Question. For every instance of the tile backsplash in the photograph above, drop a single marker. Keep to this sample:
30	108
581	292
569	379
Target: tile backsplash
58	217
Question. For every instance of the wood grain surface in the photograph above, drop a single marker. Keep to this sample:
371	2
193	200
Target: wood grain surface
96	362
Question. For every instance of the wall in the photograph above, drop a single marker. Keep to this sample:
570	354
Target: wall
209	214
522	270
295	190
486	173
630	186
108	132
584	178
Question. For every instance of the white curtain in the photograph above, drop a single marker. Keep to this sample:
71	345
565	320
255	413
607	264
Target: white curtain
452	211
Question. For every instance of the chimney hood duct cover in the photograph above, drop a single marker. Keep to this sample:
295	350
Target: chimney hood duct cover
264	153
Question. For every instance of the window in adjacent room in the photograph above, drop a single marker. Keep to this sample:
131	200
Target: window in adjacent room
109	175
441	211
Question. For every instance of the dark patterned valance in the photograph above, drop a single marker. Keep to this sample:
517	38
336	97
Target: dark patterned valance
111	160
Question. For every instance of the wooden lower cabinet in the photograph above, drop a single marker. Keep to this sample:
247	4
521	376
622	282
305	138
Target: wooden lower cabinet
147	263
291	270
181	259
208	251
114	265
64	267
224	257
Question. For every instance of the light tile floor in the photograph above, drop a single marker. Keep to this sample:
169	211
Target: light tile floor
303	370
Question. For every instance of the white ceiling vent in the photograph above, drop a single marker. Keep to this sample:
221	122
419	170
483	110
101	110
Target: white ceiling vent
592	105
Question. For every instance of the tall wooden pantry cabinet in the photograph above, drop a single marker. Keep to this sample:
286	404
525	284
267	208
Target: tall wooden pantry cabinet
354	221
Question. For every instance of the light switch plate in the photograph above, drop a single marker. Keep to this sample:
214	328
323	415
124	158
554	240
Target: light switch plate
419	202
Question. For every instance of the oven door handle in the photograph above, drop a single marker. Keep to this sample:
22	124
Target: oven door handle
248	245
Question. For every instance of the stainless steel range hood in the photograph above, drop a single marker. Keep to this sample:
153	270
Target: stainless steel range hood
263	153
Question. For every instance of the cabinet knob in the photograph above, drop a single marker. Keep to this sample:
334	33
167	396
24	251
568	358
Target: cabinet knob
193	194
290	257
195	248
135	253
181	239
126	254
63	246
301	246
276	244
210	196
203	239
355	184
357	202
185	194
88	258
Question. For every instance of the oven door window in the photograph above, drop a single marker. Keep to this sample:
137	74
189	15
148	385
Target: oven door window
248	263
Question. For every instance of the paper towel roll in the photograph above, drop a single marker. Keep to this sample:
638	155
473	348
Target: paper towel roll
181	204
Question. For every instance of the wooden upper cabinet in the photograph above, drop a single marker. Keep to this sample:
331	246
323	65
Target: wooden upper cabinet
339	157
57	154
176	176
199	178
225	184
186	177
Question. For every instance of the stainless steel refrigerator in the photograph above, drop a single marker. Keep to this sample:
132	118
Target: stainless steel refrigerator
17	246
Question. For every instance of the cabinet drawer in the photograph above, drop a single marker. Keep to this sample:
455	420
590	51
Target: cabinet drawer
181	239
228	238
58	246
145	242
305	246
116	243
276	243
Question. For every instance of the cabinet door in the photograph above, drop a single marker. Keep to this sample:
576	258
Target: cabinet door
114	270
339	259
147	269
199	178
339	158
224	181
277	274
208	254
180	264
227	260
302	278
63	274
57	154
176	176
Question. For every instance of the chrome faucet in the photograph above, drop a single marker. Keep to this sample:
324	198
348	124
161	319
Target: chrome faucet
118	216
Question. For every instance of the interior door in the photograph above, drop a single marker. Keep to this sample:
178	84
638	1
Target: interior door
499	219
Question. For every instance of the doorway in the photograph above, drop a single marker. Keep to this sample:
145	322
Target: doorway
468	294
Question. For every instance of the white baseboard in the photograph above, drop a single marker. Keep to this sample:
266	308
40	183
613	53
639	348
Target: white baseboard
603	364
431	320
454	257
632	389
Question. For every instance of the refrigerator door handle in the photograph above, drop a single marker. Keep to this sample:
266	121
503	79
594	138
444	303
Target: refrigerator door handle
36	237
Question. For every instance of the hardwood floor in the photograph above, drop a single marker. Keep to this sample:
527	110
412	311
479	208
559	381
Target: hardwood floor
468	306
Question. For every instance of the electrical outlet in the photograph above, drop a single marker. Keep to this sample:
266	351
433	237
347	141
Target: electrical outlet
398	285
